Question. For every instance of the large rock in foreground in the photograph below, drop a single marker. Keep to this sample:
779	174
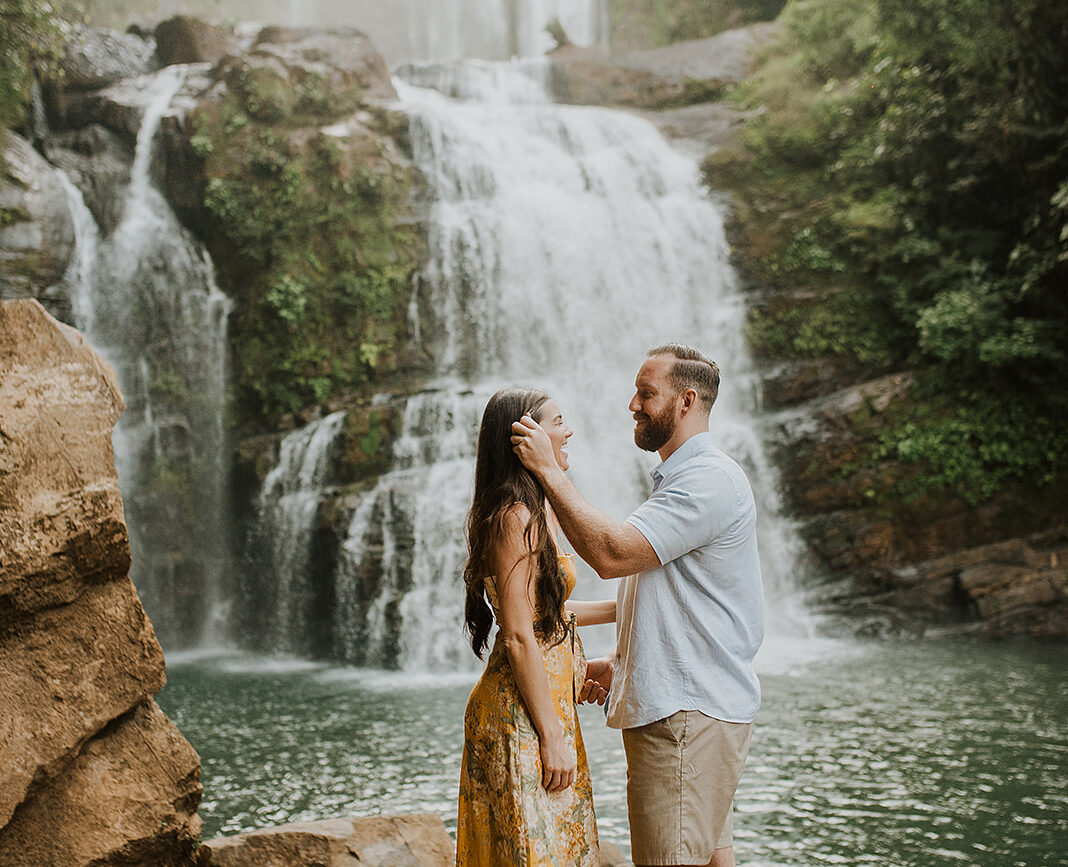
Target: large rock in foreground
94	772
373	841
370	841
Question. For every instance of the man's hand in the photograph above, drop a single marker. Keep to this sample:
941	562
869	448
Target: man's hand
598	680
533	446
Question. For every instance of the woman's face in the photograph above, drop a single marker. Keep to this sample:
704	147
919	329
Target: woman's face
552	421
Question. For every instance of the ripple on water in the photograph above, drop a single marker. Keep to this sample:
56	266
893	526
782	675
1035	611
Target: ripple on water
886	754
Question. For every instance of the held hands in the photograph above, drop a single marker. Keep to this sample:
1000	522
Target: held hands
558	763
533	446
598	680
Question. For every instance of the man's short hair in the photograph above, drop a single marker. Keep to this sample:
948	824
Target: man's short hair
692	369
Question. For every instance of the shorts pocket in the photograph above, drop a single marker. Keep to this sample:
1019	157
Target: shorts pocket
673	727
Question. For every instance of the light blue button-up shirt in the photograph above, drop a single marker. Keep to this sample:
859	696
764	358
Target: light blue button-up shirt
688	629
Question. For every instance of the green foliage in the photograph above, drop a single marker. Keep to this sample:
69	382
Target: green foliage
31	35
10	216
974	443
918	152
308	240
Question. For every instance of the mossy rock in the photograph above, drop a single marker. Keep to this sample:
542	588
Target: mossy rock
306	198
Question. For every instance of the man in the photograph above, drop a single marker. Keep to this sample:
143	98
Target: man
690	613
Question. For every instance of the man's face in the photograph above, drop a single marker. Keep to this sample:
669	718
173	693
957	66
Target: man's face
654	404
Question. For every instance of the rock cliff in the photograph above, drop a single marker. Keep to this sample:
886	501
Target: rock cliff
94	771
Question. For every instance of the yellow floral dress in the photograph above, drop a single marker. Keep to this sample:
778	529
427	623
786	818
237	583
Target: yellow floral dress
506	817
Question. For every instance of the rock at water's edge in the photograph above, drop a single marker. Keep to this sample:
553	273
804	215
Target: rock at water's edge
370	841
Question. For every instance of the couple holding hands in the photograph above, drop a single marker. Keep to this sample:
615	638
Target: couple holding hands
689	620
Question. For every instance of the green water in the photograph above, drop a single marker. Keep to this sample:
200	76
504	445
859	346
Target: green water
890	754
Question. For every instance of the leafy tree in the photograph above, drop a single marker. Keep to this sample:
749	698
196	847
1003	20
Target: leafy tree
926	150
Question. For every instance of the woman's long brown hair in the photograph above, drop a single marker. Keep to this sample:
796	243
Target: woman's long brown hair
502	482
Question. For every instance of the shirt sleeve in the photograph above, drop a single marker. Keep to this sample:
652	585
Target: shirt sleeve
691	508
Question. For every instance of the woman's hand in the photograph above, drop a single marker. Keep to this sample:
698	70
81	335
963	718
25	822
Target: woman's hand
558	763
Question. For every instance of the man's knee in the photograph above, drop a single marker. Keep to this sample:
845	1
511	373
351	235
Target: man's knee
723	857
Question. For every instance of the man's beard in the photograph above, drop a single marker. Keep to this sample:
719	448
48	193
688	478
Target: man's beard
652	432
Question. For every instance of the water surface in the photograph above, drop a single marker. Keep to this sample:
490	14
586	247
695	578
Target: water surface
891	754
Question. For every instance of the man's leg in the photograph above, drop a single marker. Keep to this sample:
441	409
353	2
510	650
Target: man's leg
681	775
723	857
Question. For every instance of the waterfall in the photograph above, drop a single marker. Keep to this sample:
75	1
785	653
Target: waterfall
284	533
448	29
498	29
564	242
404	547
147	299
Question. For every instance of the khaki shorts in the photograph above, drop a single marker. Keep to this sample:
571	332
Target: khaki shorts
681	775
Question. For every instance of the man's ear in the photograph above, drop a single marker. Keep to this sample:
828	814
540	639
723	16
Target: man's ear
689	400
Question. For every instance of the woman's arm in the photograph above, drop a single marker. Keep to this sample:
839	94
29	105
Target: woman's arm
514	567
592	613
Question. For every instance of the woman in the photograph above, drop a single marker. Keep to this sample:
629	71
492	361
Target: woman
525	791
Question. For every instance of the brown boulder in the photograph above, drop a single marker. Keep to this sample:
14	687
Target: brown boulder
130	797
94	772
371	841
66	673
185	39
63	526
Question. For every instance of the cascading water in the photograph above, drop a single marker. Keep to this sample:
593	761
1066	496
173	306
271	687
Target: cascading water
448	29
564	242
399	565
284	533
498	29
147	299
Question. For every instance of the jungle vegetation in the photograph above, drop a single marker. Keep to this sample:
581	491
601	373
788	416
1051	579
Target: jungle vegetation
905	196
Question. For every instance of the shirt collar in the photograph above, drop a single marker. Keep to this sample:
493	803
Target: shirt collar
681	454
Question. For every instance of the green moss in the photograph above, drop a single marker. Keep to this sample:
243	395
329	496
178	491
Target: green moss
311	238
10	216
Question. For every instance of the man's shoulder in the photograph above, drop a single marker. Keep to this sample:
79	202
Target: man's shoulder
707	455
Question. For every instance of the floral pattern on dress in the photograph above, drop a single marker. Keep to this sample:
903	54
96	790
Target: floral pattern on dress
506	817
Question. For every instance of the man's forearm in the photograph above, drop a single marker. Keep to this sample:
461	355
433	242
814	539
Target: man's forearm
597	538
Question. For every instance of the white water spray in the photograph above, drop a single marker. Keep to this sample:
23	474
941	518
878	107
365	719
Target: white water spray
564	242
146	298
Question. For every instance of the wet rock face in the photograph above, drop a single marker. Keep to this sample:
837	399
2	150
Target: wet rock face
36	234
95	57
94	772
679	74
98	162
942	569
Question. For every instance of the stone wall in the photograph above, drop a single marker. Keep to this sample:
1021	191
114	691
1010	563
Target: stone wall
94	772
